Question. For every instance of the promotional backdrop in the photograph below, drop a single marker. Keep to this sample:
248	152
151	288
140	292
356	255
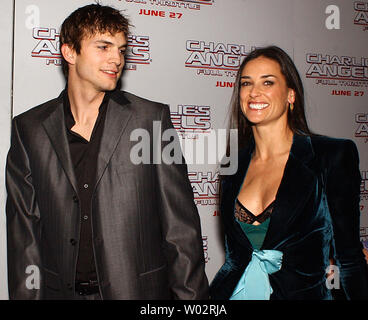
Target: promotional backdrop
186	54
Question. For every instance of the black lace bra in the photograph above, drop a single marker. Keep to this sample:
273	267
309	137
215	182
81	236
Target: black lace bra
244	215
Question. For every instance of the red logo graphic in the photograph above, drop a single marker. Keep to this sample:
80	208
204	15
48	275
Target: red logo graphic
189	120
205	187
364	236
361	14
364	186
138	51
337	70
361	120
48	45
215	59
183	4
205	248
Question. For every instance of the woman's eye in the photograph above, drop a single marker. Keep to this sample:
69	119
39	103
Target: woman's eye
245	84
268	83
102	47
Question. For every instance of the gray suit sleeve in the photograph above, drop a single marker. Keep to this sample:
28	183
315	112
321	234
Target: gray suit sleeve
180	222
23	223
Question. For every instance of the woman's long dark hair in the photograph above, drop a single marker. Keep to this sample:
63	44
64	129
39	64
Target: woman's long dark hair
296	118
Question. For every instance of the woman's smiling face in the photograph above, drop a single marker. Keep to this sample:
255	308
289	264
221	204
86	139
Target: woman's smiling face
264	94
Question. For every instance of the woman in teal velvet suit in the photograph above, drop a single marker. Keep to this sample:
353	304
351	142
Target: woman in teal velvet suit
294	202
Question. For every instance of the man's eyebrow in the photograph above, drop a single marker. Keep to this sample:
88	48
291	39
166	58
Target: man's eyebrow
110	43
103	41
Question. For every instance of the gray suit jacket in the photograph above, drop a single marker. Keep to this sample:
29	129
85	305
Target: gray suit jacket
146	229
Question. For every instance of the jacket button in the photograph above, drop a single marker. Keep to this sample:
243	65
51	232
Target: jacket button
69	286
75	199
73	242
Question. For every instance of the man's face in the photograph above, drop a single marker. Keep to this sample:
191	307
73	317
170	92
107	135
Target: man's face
99	64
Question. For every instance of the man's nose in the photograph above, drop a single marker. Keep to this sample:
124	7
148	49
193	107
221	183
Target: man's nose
116	57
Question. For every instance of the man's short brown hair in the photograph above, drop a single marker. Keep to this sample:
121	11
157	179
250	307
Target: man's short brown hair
88	21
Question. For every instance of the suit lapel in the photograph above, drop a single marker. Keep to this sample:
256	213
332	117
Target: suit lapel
117	117
54	125
232	194
297	183
295	188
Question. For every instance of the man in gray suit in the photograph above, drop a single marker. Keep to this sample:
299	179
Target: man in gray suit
83	219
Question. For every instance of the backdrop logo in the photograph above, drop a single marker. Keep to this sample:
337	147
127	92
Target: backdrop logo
337	70
183	4
205	248
48	45
189	120
205	187
364	236
215	59
361	120
138	51
364	185
361	14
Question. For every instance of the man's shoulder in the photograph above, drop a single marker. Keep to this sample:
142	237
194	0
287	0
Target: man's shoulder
137	102
39	112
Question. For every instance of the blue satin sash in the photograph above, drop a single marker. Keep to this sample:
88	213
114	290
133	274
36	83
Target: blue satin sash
255	283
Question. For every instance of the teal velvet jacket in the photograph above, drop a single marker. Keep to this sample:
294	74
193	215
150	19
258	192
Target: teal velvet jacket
316	216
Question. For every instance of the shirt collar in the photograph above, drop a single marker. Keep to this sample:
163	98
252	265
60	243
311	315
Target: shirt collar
69	119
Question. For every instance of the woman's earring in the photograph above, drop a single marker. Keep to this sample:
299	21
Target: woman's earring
291	106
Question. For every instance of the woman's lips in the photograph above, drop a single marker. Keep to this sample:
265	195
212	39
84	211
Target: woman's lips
258	106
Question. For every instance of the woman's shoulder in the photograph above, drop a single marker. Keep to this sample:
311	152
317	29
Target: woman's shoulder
327	145
335	152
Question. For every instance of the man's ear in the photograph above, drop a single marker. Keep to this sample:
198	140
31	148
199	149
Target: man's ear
68	53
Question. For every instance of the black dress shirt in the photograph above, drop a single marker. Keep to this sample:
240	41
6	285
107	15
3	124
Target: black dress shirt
84	155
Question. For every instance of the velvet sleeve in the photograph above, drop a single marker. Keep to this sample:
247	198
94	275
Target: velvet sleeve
343	194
